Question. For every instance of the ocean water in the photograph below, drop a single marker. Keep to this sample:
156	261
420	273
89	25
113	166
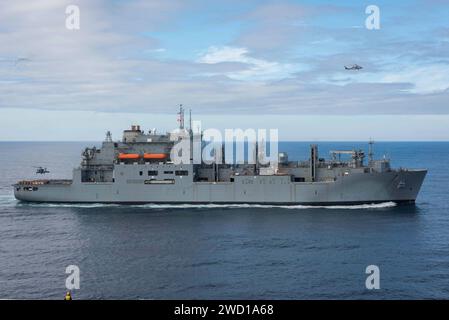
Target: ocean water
224	252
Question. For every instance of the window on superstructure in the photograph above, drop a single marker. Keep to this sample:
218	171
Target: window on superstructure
152	172
182	172
168	172
140	173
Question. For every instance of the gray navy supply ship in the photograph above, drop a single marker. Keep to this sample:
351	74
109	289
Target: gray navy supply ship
139	169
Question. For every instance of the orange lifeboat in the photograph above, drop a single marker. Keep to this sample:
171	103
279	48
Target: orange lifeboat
155	156
128	156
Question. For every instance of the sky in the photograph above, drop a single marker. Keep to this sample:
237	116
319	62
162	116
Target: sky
236	64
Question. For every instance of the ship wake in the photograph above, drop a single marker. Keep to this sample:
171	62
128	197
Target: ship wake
8	201
264	206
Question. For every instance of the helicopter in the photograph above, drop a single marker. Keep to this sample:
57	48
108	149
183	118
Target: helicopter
353	67
41	170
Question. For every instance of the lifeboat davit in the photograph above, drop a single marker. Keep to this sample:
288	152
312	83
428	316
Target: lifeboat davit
155	156
128	156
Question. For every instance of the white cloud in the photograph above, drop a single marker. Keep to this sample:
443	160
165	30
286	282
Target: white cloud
425	79
225	54
109	66
89	125
253	69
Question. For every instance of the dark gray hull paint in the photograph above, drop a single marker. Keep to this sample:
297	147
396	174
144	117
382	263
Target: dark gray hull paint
356	188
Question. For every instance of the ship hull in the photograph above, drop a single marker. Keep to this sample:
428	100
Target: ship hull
360	188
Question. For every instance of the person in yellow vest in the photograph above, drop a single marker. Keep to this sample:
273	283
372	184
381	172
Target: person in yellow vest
68	296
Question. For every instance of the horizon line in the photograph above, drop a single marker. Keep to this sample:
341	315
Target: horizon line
380	140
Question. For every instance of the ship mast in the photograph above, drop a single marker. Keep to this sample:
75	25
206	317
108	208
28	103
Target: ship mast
370	150
181	117
108	137
190	121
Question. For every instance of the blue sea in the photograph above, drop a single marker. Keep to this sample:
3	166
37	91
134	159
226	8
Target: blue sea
224	252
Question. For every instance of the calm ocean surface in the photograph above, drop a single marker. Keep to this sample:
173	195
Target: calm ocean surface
219	252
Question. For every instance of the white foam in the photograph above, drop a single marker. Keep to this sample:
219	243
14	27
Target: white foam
7	200
210	206
388	204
